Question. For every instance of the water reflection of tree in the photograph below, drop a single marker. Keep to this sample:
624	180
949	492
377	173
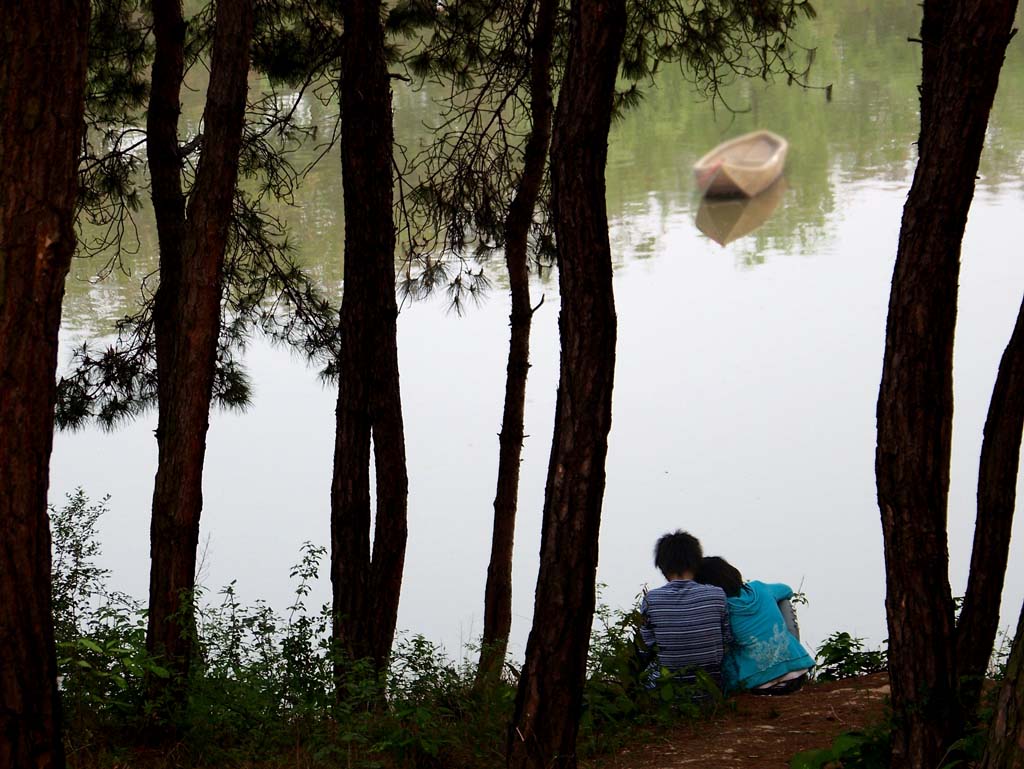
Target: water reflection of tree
866	131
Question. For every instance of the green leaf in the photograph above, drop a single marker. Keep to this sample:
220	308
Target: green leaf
811	759
92	646
848	742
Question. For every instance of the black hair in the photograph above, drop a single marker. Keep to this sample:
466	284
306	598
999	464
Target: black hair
718	571
677	553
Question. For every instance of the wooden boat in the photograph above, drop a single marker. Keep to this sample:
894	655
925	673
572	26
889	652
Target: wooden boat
726	219
743	166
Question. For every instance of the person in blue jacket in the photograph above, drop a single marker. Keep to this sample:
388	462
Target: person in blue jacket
765	656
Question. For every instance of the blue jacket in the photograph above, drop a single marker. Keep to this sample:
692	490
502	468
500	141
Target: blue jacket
763	649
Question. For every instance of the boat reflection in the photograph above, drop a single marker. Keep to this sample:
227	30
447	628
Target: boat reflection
727	219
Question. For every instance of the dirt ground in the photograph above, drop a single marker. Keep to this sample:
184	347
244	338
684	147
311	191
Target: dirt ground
762	732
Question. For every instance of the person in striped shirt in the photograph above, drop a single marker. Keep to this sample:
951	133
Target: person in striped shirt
686	624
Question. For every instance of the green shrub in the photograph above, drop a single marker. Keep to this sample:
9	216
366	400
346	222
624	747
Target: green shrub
262	689
623	690
843	656
853	750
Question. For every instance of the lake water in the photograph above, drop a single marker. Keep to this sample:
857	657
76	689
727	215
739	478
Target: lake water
746	378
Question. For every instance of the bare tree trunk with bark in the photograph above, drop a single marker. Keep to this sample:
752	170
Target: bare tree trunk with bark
962	52
366	589
498	593
42	102
550	693
193	242
997	493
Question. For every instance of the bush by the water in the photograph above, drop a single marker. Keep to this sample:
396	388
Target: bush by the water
262	690
844	656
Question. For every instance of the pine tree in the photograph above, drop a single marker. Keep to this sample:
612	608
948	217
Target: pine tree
42	94
187	316
963	45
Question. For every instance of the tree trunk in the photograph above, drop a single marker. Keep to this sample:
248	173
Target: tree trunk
997	492
42	91
187	312
366	590
549	698
1005	748
498	593
962	52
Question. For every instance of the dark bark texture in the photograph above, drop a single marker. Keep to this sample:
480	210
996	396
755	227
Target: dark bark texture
997	492
42	88
1005	748
366	587
963	44
187	313
549	697
498	593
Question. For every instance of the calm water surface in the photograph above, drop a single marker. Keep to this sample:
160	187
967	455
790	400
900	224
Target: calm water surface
746	375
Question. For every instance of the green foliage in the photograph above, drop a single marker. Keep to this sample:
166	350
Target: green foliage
263	684
116	83
112	384
843	656
625	690
295	41
100	634
716	41
77	580
452	219
264	289
1000	656
117	87
852	750
263	689
968	750
103	671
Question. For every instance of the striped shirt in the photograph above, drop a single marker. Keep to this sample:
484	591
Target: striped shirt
687	625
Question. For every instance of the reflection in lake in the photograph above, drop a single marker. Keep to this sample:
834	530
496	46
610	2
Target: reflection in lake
744	398
727	219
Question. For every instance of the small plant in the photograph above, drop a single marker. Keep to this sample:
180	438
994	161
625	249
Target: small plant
843	656
100	634
624	689
853	750
76	579
1000	656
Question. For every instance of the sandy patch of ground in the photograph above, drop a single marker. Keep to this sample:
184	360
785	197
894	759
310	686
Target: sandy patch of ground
762	732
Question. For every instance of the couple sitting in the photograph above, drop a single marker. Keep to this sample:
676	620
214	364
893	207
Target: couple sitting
707	618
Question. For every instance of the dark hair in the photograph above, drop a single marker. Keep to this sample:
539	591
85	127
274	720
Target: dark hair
718	571
677	553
